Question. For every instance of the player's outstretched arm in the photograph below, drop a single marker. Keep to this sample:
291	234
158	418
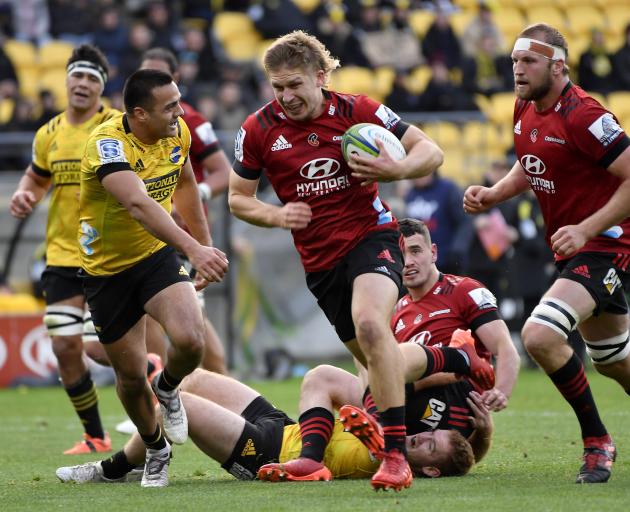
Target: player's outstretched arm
188	204
246	206
31	189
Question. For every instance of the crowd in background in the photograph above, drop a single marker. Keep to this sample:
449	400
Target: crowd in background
454	69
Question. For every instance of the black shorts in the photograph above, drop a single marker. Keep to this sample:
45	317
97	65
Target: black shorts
377	253
602	276
117	302
61	283
261	440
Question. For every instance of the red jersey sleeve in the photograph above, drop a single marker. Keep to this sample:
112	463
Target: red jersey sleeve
370	111
248	161
597	132
204	139
476	304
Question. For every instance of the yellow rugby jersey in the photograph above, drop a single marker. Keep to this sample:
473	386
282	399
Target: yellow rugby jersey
345	455
110	239
57	151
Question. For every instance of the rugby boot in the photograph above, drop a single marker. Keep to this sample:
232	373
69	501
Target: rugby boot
394	472
156	467
481	372
364	427
173	413
91	445
599	455
301	469
90	472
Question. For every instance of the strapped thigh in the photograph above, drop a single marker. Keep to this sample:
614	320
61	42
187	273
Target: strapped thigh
555	314
609	350
89	331
63	320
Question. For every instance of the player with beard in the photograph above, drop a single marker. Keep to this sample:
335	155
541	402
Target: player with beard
345	234
574	155
57	151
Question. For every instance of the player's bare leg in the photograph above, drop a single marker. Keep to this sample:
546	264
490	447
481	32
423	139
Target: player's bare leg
373	300
545	338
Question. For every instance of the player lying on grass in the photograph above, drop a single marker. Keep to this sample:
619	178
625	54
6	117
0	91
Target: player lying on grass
233	424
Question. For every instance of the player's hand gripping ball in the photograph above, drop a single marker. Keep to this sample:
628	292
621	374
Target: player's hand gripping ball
360	140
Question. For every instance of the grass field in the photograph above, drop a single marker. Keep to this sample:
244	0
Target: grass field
531	466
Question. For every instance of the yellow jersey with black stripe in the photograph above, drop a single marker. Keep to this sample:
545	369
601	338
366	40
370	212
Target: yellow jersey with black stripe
110	239
345	455
57	152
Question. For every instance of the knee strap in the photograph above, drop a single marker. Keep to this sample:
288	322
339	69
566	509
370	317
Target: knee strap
555	314
63	320
609	350
89	331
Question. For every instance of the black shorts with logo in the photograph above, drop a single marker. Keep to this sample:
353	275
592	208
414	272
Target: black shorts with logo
604	275
261	440
61	283
377	253
117	302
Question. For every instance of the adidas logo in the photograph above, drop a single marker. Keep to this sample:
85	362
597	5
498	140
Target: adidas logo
183	271
517	127
249	450
399	326
280	144
385	255
382	269
582	270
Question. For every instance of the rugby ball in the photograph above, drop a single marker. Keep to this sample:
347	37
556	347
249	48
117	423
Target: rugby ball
359	139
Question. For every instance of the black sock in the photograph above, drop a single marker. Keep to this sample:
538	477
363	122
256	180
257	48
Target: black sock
369	404
573	385
85	401
316	426
446	359
167	382
116	466
155	441
394	429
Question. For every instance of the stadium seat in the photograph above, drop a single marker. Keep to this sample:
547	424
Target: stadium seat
22	54
29	81
230	25
502	108
6	109
460	20
446	134
383	81
617	17
54	55
510	21
420	20
583	18
478	136
619	104
307	6
454	166
353	80
418	79
244	48
546	14
55	81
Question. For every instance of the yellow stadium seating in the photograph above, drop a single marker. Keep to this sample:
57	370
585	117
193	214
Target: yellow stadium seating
21	53
460	20
502	108
446	134
29	81
582	19
230	25
479	136
619	104
55	81
546	14
418	79
54	55
420	20
618	18
383	80
307	6
510	21
6	109
353	80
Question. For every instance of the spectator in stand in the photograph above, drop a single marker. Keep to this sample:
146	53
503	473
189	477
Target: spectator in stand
595	69
339	36
9	84
490	70
47	102
443	94
71	20
401	98
160	21
206	52
273	18
232	111
111	33
482	25
435	200
440	43
386	37
31	21
139	41
621	63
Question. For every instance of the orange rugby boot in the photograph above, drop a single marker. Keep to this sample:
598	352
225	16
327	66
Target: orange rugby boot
296	470
394	472
364	427
91	445
481	371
